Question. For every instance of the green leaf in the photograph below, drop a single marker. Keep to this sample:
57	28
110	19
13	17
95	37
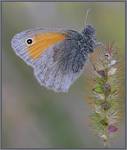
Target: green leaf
98	88
100	80
97	102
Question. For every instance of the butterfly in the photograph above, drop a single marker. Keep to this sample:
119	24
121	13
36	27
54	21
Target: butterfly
57	56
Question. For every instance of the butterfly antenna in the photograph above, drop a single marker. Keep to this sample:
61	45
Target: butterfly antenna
87	13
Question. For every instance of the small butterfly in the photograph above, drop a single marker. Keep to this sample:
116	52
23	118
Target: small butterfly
57	56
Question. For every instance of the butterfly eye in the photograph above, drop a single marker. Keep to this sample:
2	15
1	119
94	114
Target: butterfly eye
29	41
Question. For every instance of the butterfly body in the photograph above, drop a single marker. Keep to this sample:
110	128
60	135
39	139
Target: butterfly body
57	57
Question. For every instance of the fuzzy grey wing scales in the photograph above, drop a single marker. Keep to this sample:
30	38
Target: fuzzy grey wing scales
71	54
55	69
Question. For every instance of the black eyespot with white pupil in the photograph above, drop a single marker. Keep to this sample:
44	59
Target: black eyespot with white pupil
29	41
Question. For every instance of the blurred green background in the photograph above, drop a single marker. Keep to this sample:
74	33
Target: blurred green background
34	117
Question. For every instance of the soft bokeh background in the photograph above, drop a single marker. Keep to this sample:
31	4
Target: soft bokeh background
34	117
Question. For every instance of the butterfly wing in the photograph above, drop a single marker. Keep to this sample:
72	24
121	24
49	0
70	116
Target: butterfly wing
54	56
41	40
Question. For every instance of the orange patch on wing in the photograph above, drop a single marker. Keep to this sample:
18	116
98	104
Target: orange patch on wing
43	41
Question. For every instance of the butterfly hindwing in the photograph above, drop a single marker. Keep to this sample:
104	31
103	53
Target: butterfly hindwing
57	67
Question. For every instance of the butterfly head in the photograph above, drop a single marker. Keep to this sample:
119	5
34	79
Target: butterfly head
89	30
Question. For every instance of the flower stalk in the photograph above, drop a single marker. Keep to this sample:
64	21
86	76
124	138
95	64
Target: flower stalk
105	97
